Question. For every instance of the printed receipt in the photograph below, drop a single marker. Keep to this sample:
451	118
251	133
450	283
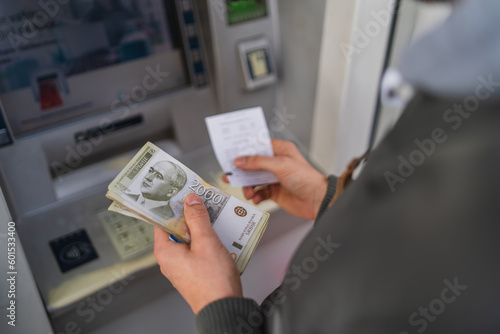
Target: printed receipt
241	133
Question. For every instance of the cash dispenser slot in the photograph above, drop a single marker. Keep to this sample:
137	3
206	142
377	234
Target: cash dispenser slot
102	172
103	130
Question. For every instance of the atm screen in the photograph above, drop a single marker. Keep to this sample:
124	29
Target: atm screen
245	10
61	61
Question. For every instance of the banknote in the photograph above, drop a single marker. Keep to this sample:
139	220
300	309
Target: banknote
153	187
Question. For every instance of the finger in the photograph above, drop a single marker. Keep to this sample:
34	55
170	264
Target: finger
198	222
264	194
249	192
164	248
225	179
256	199
260	162
281	148
286	148
261	196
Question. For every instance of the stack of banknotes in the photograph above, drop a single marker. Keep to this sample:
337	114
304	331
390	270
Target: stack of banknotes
153	186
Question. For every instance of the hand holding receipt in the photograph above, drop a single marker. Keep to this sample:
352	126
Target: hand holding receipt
241	133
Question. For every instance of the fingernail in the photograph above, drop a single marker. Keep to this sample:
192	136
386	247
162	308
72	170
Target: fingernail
193	200
240	161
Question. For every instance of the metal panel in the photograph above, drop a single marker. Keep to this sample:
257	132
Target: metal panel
301	26
30	312
227	75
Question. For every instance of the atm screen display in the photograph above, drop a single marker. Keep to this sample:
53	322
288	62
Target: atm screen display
245	10
60	61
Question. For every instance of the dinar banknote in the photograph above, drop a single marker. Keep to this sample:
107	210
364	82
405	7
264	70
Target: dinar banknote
153	187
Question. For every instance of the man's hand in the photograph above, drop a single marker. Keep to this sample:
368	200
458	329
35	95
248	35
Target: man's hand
203	271
301	188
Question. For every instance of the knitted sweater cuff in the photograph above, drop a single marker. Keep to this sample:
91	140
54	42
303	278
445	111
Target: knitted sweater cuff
330	192
227	316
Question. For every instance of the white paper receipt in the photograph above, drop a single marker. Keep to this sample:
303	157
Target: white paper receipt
241	133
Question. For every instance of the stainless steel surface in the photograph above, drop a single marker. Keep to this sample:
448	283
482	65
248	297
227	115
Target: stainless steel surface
301	26
223	55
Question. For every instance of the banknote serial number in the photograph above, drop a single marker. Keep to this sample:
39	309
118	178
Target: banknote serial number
203	192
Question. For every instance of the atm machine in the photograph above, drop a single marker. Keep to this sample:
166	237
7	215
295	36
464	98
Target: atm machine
83	85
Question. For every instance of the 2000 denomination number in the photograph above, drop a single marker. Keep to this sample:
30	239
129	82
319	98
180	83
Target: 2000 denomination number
208	194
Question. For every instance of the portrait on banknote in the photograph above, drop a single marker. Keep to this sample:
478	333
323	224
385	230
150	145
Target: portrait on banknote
162	184
160	188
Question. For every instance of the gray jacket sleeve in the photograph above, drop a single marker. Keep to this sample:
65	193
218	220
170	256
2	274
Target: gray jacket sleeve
230	315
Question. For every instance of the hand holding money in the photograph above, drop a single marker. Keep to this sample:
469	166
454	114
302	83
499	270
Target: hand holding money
153	187
202	272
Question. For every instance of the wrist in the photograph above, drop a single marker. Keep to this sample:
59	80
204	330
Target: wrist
212	299
222	316
321	189
224	289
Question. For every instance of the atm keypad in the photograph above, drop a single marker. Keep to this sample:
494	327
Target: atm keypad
129	236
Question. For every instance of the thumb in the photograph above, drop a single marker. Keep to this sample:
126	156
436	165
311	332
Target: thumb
259	162
198	221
